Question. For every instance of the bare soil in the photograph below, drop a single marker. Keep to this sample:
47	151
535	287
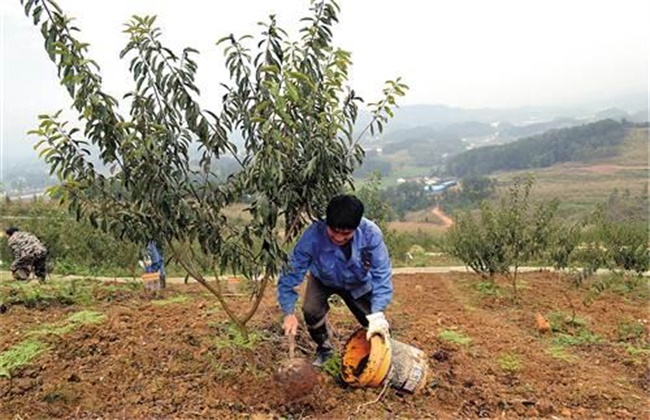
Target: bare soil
181	360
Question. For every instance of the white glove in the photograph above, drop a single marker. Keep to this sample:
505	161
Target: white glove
377	324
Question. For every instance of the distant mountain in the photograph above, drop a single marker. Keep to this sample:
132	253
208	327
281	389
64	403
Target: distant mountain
427	134
633	107
509	130
640	116
441	115
582	143
613	113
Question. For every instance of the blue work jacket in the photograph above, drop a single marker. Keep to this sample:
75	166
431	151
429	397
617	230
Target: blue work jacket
157	262
367	270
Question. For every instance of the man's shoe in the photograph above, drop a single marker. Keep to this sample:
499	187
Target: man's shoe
322	356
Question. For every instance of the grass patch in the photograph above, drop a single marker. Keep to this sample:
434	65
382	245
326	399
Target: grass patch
86	317
509	363
127	286
71	323
32	295
222	370
638	354
62	292
487	289
333	366
630	331
229	336
559	352
620	283
171	300
19	355
563	323
455	337
583	337
637	351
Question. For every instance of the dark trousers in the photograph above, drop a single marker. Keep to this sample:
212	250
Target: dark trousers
22	267
316	307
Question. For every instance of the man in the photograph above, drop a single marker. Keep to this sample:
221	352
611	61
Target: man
154	262
29	254
344	255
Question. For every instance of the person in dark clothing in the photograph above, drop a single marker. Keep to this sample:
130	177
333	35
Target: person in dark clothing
30	255
153	262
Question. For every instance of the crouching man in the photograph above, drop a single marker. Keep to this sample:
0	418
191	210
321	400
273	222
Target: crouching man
29	254
344	255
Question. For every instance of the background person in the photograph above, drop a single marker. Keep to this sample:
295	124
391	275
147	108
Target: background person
344	255
29	254
153	262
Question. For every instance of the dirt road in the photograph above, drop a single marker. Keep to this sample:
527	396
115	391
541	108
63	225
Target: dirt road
6	276
446	220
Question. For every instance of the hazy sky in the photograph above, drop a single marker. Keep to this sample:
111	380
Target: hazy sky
468	53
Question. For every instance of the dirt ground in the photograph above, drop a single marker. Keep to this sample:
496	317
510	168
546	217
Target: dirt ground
173	355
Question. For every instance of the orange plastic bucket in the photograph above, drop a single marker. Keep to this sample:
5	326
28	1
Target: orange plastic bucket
365	363
372	363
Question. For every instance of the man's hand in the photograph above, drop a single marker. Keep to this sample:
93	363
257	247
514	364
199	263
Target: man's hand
377	324
290	324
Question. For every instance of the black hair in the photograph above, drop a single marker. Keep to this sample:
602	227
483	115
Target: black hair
11	230
344	212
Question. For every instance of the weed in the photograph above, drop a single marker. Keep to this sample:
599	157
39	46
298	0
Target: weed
86	317
61	292
71	323
487	288
19	355
171	300
74	291
630	331
454	337
231	337
256	372
638	355
509	363
557	351
26	294
126	286
222	370
583	337
332	366
637	351
560	322
616	282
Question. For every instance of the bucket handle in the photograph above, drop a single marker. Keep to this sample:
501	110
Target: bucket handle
380	336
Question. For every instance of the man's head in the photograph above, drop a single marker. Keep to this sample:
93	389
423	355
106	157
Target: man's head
11	230
344	213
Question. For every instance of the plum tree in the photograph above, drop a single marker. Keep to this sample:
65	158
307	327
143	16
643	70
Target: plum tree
152	174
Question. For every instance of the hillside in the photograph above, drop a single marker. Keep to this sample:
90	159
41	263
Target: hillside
581	185
585	143
620	175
